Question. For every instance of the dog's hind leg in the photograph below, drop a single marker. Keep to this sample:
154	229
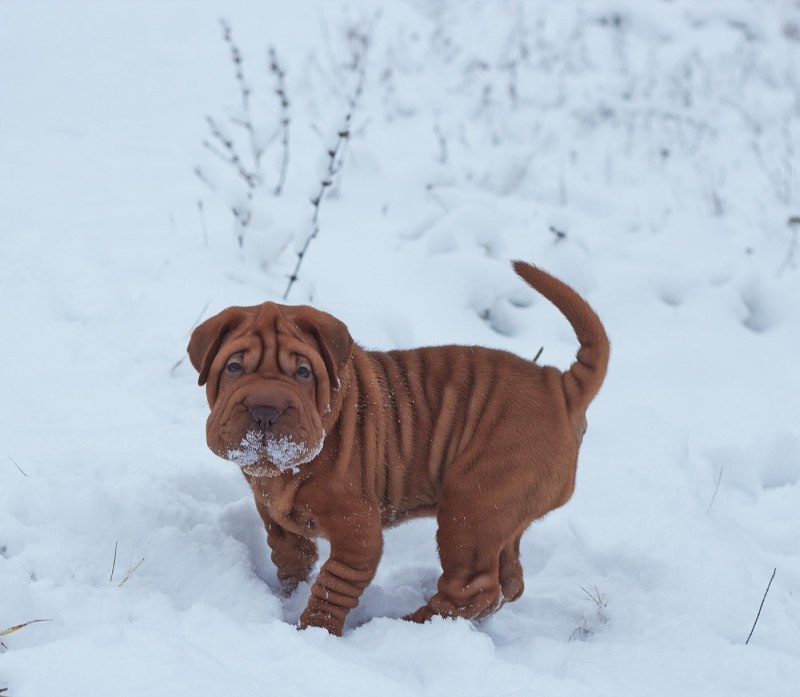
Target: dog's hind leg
470	551
511	582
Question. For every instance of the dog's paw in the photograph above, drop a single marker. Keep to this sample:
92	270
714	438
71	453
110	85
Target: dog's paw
287	587
421	615
312	617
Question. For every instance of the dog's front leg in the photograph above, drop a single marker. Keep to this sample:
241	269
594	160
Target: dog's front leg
293	555
356	547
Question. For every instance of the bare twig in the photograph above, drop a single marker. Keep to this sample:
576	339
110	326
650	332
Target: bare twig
327	181
538	353
131	571
280	89
245	91
716	489
359	41
17	466
779	174
229	154
180	361
794	231
223	147
761	606
440	138
113	564
581	631
17	627
177	364
201	175
359	44
201	210
597	598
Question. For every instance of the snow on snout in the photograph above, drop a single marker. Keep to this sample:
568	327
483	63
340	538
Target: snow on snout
282	453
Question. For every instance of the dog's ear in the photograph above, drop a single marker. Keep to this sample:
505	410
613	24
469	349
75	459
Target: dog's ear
332	338
208	337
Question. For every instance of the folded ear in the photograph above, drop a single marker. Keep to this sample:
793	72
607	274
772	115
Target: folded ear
208	337
333	339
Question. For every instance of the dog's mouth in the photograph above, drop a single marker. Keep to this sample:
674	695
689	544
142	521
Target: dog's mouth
266	455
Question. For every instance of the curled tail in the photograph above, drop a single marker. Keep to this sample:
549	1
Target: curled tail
584	377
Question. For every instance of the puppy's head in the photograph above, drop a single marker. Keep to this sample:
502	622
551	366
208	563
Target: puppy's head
270	372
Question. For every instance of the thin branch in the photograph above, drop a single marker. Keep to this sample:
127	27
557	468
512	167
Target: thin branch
244	91
17	627
130	573
229	154
201	175
324	184
280	90
442	141
180	361
794	231
16	465
538	353
716	488
761	606
359	43
113	564
201	211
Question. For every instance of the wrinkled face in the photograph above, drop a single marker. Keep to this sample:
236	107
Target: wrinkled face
270	374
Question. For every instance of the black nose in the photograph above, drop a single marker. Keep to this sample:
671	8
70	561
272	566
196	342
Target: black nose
265	417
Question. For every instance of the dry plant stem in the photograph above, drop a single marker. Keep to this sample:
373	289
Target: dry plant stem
336	155
359	65
761	606
794	231
228	153
597	598
231	157
780	174
17	627
17	466
201	175
130	573
180	361
244	90
716	489
359	43
201	210
326	182
113	563
441	158
280	90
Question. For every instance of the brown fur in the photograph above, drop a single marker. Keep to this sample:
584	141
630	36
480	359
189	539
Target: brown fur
483	439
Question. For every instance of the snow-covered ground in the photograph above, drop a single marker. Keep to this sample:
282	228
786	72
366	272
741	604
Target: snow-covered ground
646	151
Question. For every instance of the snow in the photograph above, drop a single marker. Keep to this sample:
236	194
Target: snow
644	151
281	454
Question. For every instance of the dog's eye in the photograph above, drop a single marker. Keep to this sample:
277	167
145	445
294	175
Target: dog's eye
303	372
234	367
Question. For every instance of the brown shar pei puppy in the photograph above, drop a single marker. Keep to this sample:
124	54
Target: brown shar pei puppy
339	442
